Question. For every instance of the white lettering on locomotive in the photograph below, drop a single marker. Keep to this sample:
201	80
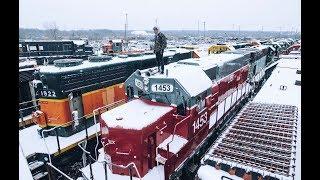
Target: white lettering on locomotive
198	123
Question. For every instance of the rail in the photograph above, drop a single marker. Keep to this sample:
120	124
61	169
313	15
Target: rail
21	110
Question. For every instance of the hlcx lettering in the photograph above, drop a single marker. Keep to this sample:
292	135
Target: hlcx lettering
198	123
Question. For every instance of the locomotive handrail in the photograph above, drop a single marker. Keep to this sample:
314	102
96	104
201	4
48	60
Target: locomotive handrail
62	173
61	125
174	130
44	140
82	147
25	102
124	167
121	166
160	132
51	129
29	107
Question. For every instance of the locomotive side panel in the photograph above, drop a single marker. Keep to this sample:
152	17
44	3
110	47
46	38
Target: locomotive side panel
57	111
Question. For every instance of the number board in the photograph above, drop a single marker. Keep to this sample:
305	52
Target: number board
47	93
162	87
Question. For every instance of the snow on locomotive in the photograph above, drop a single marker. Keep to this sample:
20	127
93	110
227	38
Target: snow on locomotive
169	115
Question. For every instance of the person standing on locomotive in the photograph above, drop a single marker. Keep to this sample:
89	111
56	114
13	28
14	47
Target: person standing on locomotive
160	43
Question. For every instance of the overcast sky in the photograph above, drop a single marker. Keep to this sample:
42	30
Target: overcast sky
170	14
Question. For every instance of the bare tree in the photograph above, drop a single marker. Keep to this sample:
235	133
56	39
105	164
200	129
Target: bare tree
52	29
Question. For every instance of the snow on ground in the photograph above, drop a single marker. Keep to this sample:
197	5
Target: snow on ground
31	142
24	171
175	146
135	114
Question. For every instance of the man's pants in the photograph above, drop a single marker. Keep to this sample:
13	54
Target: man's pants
159	58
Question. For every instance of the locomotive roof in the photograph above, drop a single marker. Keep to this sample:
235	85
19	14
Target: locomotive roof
270	93
86	64
192	78
30	40
291	56
135	114
211	61
284	74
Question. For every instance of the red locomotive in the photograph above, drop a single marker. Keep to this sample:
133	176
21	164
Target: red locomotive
170	115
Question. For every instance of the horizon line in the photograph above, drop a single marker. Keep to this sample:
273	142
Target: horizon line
163	30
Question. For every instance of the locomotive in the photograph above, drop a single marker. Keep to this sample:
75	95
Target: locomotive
46	51
71	89
168	116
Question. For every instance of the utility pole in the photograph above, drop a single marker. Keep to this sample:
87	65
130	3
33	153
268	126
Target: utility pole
156	21
125	27
204	30
239	31
280	31
198	29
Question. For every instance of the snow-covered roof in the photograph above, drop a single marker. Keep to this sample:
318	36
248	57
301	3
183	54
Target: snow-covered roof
27	63
290	56
117	40
141	33
192	78
260	47
87	64
79	42
179	50
295	52
135	114
284	74
31	40
211	60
